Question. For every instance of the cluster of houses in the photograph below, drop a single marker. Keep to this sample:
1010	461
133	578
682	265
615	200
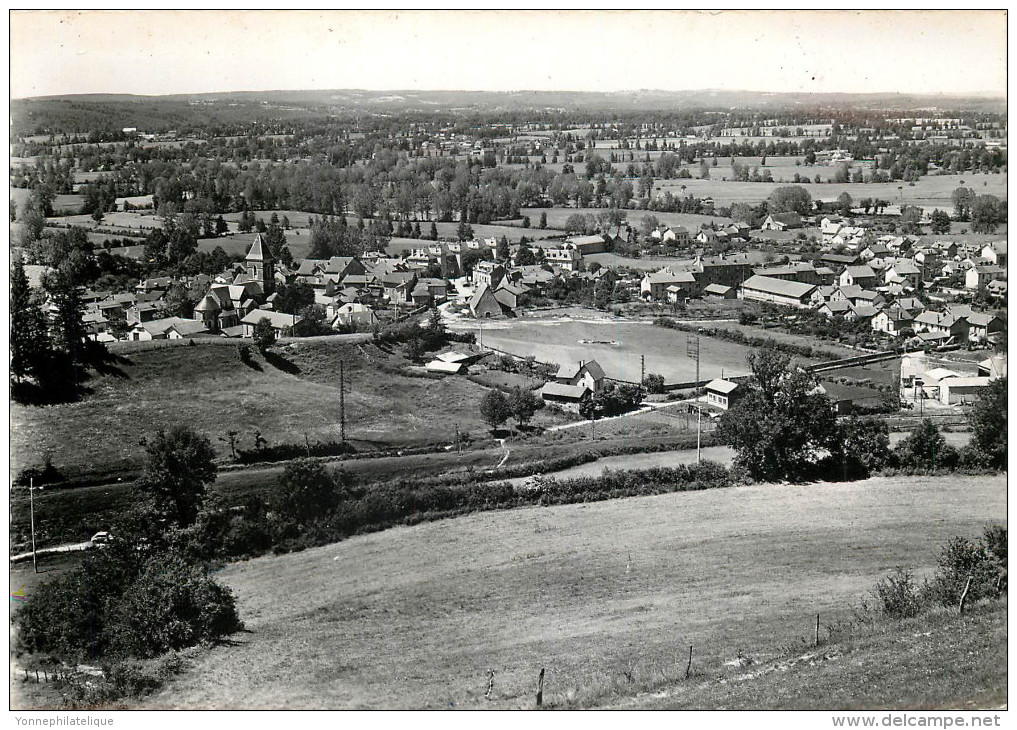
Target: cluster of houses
878	284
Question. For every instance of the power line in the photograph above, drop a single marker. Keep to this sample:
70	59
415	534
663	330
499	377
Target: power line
692	350
342	402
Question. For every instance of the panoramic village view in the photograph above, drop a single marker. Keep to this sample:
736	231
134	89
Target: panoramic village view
484	400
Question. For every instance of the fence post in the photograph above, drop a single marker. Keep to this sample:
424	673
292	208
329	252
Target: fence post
817	629
540	688
688	667
964	595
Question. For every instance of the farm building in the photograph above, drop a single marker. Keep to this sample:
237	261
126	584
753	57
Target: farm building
719	291
569	397
777	291
955	391
587	245
846	398
723	393
484	304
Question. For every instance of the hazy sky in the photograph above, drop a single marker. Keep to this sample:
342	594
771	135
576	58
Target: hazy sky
164	52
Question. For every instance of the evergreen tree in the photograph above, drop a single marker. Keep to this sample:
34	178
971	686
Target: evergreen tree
68	330
503	249
29	340
433	234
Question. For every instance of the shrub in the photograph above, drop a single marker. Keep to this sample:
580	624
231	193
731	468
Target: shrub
138	597
897	595
983	560
39	476
171	605
654	383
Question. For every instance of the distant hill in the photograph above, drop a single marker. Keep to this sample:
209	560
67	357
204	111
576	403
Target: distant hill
82	112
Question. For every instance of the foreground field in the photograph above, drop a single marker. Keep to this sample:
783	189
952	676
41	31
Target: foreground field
415	617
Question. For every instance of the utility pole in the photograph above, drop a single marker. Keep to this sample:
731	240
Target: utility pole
699	434
642	369
342	403
31	502
692	350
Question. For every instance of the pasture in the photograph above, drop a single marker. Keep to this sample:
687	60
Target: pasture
414	617
288	398
931	191
62	204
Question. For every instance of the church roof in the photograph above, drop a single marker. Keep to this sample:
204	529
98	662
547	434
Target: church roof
259	250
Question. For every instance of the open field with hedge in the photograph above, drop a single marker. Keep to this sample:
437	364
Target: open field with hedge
606	596
931	191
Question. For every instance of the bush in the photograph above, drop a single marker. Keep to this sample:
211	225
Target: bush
925	449
171	605
137	597
897	595
39	476
285	452
654	383
983	560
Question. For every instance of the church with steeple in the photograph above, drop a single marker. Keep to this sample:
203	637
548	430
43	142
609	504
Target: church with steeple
260	265
225	304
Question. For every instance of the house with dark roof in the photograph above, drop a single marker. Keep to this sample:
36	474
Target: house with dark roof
782	222
483	303
588	374
568	397
862	276
893	321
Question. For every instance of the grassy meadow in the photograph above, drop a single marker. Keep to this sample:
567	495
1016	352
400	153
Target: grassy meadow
607	596
208	387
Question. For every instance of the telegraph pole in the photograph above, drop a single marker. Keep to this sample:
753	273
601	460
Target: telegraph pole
31	502
692	350
699	434
342	403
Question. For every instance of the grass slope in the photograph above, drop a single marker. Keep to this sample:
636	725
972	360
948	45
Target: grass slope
208	387
414	617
